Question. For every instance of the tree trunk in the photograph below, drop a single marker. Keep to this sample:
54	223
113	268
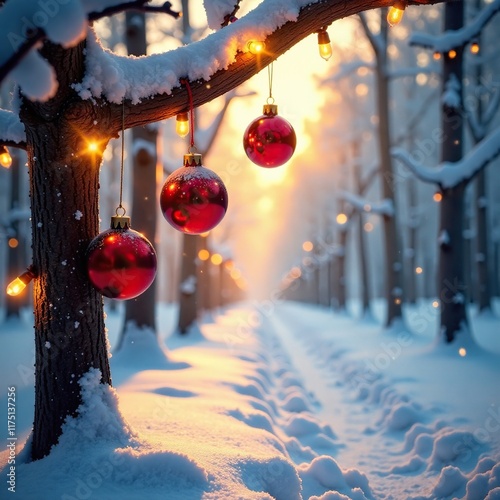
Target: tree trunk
482	245
482	250
188	284
451	276
410	256
69	320
64	182
141	310
363	257
341	279
393	279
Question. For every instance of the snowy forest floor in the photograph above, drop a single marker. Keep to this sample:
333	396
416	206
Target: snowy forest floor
268	400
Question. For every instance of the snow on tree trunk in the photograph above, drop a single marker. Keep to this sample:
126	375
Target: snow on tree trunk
451	272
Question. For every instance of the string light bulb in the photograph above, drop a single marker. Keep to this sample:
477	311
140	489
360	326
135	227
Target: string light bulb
396	12
16	286
5	158
452	54
182	125
256	47
324	45
474	47
437	55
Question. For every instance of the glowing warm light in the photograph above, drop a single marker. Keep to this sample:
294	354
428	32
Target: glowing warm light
182	125
341	219
437	55
368	227
419	270
474	48
295	272
203	254
256	47
395	14
5	158
437	197
93	146
362	89
235	274
462	351
435	304
307	246
397	301
452	54
216	259
324	45
204	235
13	242
422	79
265	204
16	286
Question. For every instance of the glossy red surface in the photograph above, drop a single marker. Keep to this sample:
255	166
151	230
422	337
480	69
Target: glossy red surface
121	263
269	141
193	199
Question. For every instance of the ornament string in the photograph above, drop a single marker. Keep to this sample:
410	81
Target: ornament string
191	111
120	206
270	69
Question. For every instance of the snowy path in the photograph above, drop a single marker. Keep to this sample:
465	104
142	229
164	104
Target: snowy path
398	443
306	406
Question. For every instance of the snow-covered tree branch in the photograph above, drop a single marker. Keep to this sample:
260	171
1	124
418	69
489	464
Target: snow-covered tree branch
384	207
151	84
449	175
458	38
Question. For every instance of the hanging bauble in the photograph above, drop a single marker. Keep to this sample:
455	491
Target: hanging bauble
270	140
121	262
193	198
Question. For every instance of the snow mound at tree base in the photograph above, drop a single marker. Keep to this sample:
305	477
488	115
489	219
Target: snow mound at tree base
98	453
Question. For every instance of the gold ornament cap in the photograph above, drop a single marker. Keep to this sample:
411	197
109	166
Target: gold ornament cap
120	222
192	160
270	109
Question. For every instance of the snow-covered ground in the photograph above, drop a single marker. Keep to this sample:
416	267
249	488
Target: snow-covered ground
270	400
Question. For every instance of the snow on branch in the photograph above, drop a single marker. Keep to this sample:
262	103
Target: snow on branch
220	12
448	175
384	207
24	24
11	129
115	77
459	38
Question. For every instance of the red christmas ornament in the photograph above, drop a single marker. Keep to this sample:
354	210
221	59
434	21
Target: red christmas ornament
270	140
121	263
193	198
